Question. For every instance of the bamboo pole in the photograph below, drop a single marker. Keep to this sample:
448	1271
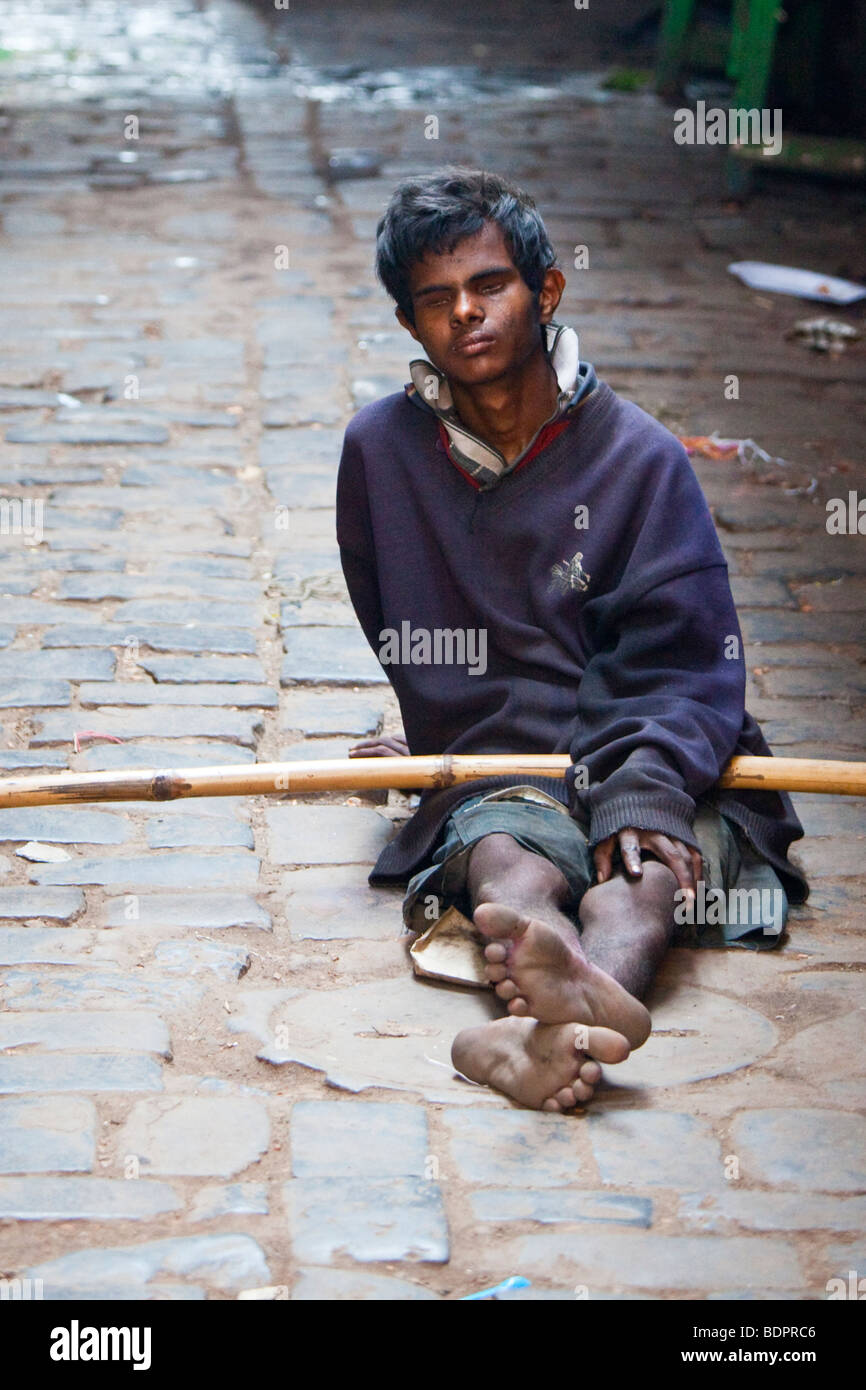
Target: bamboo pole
410	773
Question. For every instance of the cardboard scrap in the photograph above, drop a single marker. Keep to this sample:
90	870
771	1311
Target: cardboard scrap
450	950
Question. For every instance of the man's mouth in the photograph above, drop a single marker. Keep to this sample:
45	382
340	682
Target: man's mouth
474	344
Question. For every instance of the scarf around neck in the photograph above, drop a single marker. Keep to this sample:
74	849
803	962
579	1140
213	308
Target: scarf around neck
430	390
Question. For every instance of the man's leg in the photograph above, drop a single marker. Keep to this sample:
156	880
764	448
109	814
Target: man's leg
588	989
536	960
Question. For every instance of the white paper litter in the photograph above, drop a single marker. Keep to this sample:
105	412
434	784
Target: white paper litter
805	284
42	854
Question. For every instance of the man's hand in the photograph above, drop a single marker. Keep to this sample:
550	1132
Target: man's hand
683	860
380	746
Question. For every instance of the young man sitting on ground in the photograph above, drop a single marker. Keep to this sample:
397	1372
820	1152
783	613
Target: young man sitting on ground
508	502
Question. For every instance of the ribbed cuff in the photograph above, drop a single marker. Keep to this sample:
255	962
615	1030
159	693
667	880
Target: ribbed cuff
667	815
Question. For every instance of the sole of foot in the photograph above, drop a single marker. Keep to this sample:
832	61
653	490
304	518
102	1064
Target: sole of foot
538	973
543	1066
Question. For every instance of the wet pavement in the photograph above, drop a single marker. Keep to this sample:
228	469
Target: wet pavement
217	1073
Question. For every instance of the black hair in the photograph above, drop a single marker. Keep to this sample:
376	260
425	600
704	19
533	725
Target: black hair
433	212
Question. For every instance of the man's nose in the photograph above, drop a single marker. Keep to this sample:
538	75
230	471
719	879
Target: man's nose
467	308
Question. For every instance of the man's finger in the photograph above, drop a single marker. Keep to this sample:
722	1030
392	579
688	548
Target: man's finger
603	856
678	858
629	848
380	746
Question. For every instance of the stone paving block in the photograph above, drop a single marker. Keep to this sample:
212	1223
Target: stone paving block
230	1199
811	681
54	904
307	559
16	694
839	857
86	1032
190	669
43	945
302	490
325	834
335	656
315	750
630	1260
47	1136
655	1148
317	613
166	721
79	1072
775	625
96	989
500	1148
84	1199
226	1262
812	737
211	911
367	1219
58	666
752	593
838	1261
811	1150
143	611
63	825
772	1211
103	757
174	832
321	712
82	521
549	1207
830	816
358	1139
26	758
90	430
164	638
236	869
128	1293
344	1286
338	904
199	957
196	1135
292	411
151	694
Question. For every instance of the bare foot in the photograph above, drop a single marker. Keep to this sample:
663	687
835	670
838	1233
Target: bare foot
538	972
543	1066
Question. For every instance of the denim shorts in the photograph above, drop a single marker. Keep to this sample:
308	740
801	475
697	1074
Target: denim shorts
737	882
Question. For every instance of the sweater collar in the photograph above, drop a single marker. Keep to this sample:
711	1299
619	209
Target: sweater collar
429	389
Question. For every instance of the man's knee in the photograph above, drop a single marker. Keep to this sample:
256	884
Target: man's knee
500	863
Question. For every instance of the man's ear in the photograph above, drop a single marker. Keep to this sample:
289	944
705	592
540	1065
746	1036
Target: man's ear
550	293
404	323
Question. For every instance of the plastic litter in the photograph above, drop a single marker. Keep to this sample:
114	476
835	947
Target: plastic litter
42	854
805	284
824	335
515	1282
93	735
750	455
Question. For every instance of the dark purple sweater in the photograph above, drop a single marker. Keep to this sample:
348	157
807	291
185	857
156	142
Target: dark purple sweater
624	668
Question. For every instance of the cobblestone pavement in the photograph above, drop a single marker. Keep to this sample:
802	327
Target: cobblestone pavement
216	1071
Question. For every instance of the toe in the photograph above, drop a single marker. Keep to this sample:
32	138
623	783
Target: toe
495	952
518	1007
496	973
565	1098
582	1092
507	989
552	1105
590	1072
608	1045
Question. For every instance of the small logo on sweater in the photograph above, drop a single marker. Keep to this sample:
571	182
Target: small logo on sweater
570	575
